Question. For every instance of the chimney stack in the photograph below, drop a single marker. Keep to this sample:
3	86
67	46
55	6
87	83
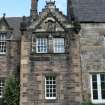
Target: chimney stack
70	12
34	4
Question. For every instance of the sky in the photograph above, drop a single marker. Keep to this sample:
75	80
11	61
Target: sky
17	8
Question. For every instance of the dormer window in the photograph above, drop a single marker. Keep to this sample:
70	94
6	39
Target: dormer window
58	45
2	43
41	45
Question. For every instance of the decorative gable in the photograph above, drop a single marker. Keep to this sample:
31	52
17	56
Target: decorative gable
4	26
49	25
50	19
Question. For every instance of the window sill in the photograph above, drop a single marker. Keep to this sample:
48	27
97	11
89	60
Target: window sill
50	100
98	102
2	54
34	53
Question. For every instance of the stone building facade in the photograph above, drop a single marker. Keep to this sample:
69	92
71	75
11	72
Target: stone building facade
91	16
60	58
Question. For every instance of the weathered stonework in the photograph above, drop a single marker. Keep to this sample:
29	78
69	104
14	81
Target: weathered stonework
35	66
92	47
83	56
9	61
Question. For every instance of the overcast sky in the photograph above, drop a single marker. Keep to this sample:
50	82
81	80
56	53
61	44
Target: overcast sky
17	8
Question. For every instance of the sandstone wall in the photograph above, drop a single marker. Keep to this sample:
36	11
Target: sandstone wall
92	48
9	62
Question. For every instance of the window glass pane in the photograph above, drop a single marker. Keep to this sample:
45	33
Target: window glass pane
47	95
47	82
94	77
54	82
102	77
51	86
47	90
54	90
103	94
51	82
54	94
54	86
103	85
94	85
95	94
51	95
50	90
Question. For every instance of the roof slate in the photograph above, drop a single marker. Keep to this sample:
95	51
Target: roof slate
14	23
89	10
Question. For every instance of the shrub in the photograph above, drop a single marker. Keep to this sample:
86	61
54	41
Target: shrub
11	91
87	103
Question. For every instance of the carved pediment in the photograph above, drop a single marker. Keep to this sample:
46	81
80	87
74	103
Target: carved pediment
49	25
50	19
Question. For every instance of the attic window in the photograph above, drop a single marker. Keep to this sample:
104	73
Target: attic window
58	45
41	45
2	43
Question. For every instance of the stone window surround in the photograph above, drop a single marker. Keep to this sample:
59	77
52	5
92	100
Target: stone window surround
99	100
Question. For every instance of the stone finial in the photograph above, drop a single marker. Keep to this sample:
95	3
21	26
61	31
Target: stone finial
50	1
77	26
4	26
24	18
23	24
4	14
